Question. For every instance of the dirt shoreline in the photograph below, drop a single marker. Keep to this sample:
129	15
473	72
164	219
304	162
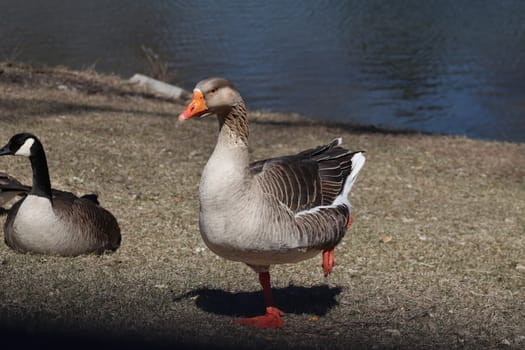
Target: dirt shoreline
435	258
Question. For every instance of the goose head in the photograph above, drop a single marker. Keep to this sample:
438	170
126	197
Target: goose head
23	144
211	96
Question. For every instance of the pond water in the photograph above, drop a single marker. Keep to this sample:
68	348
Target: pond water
453	67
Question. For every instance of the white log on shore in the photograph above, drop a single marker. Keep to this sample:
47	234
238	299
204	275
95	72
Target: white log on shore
161	88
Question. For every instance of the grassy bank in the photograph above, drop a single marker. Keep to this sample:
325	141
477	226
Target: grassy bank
435	257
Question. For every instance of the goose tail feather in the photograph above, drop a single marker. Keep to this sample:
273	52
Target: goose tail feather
358	160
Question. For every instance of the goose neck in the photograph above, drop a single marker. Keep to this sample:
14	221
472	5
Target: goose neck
41	181
233	126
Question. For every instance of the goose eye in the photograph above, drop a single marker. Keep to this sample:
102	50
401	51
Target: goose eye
212	91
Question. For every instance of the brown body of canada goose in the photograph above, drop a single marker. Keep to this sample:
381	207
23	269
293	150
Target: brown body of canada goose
273	211
55	222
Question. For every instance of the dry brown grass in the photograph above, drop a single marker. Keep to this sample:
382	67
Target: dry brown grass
434	258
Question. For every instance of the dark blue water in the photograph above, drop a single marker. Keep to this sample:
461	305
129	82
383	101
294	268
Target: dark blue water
454	67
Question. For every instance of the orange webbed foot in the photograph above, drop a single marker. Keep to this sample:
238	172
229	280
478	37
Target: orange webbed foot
272	319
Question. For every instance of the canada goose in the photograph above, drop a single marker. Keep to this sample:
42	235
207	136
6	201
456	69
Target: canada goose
273	211
51	221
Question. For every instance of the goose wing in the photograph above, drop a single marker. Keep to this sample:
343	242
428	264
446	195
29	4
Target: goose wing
10	188
85	212
306	180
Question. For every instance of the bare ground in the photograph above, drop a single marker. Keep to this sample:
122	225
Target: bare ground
435	258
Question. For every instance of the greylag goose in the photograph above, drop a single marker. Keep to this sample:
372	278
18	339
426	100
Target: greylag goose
272	211
10	188
55	222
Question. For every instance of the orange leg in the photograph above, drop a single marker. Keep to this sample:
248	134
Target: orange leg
272	318
328	261
350	220
328	254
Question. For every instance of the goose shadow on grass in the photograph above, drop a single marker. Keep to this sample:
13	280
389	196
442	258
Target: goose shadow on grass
315	300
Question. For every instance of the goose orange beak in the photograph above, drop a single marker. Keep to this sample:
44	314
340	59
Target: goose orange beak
196	107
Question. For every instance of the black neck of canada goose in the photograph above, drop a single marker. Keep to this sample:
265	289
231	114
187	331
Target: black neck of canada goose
41	182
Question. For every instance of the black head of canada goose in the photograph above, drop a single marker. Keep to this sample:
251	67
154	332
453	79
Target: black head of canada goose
272	211
55	222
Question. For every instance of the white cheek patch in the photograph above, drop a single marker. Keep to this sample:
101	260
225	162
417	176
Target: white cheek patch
25	149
